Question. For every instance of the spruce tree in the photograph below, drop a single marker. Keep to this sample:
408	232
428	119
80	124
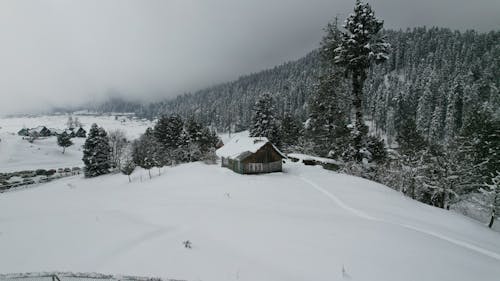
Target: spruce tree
327	123
361	45
146	150
264	123
168	131
291	132
96	152
63	140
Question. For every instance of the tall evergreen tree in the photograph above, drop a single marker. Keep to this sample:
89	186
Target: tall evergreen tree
361	45
327	123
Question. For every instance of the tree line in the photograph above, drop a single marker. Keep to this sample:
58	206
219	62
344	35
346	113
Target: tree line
172	141
441	124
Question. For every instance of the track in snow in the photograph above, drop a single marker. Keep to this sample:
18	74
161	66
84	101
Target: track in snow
363	215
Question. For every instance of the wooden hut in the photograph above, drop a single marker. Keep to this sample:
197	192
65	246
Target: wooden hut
40	131
246	155
80	132
23	132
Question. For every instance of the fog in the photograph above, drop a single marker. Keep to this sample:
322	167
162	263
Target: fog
62	52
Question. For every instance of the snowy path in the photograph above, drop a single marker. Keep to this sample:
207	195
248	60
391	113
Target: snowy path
363	215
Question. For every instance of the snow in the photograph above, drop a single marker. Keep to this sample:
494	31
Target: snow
17	154
306	223
240	143
303	157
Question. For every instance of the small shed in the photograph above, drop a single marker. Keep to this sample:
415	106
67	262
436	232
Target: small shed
251	155
70	133
80	133
55	132
23	132
40	131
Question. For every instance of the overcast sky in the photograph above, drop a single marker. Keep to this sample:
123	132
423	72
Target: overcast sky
56	52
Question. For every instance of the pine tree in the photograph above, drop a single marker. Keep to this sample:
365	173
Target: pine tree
291	132
96	152
63	140
409	139
193	130
361	45
264	123
208	140
145	151
168	131
327	123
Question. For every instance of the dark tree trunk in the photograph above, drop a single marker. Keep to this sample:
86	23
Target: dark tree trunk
129	180
358	79
492	220
149	171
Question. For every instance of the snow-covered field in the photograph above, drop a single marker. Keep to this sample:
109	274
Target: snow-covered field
304	224
17	154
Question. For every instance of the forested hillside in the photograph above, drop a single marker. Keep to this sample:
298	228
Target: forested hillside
435	100
436	76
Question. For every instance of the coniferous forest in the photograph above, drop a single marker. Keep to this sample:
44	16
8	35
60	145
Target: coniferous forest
428	97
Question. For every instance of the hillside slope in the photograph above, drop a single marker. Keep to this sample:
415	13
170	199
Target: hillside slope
303	224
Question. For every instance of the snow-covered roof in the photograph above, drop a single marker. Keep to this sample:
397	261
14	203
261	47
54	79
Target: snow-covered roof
38	129
242	145
56	131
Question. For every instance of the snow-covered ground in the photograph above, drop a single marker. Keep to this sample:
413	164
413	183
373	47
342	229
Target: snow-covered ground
17	154
306	223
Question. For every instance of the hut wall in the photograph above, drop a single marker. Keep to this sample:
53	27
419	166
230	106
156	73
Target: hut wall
257	168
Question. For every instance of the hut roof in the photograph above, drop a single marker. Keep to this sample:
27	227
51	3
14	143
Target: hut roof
39	129
240	147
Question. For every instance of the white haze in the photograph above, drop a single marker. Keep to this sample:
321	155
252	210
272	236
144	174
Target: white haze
62	52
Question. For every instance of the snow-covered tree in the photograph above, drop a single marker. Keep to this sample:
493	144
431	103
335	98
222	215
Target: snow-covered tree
64	140
264	123
326	128
118	142
168	131
127	164
96	152
145	151
361	45
193	130
291	132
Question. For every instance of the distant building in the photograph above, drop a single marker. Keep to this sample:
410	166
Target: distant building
40	131
80	133
70	133
246	155
23	132
55	132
